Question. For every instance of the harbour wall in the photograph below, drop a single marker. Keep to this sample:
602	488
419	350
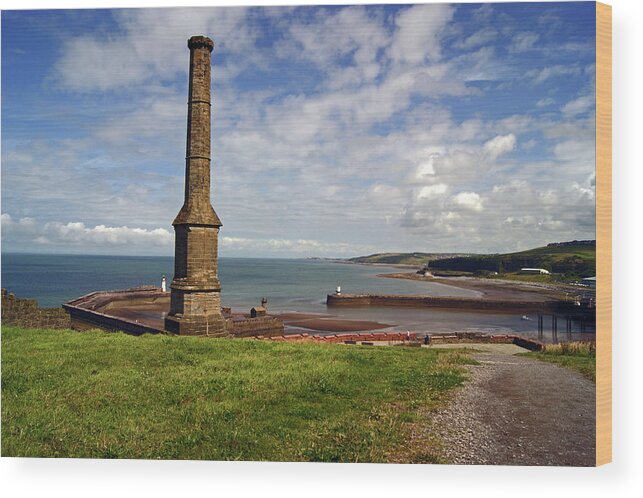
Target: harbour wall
464	304
93	311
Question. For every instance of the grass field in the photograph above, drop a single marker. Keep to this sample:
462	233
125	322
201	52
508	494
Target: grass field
110	395
579	356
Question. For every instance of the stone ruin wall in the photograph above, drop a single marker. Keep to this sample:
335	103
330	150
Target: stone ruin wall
26	313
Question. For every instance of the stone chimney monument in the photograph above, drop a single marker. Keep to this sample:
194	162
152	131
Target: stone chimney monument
195	307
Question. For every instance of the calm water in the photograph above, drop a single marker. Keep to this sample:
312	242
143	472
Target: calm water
289	285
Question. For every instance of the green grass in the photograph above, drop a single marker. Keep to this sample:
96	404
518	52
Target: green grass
579	356
525	277
110	395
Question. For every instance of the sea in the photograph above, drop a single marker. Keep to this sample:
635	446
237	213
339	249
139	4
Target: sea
298	285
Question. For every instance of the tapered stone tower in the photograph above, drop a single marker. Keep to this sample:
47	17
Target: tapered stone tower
195	307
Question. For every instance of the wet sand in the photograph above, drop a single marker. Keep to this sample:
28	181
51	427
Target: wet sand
501	290
328	323
333	325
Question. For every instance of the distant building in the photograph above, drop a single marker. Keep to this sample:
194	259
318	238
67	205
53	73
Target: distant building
589	282
257	311
534	271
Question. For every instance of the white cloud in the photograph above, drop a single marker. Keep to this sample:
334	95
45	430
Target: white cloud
76	233
296	247
578	106
540	76
432	191
426	169
337	128
499	145
468	200
334	37
382	191
481	37
20	227
418	35
522	42
545	102
151	48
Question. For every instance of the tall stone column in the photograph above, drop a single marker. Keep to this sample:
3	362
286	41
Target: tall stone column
195	307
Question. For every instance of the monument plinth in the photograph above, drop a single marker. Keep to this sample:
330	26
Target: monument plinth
195	304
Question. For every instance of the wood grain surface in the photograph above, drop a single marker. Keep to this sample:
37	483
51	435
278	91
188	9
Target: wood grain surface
603	233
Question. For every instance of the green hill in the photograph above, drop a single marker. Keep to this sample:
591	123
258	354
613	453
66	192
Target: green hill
571	260
403	258
565	260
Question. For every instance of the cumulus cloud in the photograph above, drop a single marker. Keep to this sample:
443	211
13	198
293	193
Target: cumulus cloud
77	232
499	145
419	29
21	227
29	231
327	122
468	200
432	191
151	47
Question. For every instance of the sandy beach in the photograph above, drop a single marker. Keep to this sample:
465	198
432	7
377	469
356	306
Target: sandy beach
502	290
328	323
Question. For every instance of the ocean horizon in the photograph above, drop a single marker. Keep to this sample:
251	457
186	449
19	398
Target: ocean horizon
290	284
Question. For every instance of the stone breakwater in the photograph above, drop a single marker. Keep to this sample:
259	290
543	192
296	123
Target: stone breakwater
460	303
26	313
410	339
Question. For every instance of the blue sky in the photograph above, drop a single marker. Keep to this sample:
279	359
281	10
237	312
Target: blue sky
337	131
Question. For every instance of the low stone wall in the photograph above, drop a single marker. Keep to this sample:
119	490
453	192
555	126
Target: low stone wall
412	339
265	326
26	313
460	303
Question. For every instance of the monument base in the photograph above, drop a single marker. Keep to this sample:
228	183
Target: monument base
196	313
211	326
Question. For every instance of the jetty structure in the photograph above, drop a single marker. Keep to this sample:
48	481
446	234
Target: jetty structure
195	303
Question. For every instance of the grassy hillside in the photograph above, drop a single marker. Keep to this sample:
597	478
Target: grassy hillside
580	356
110	395
571	261
399	258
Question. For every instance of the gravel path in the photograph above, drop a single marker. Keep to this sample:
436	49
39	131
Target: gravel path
515	410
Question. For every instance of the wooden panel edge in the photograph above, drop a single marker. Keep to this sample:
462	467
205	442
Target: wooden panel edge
603	233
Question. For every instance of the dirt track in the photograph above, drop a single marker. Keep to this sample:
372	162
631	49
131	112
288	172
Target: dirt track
515	410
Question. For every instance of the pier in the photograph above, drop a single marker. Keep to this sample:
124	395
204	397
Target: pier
553	307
